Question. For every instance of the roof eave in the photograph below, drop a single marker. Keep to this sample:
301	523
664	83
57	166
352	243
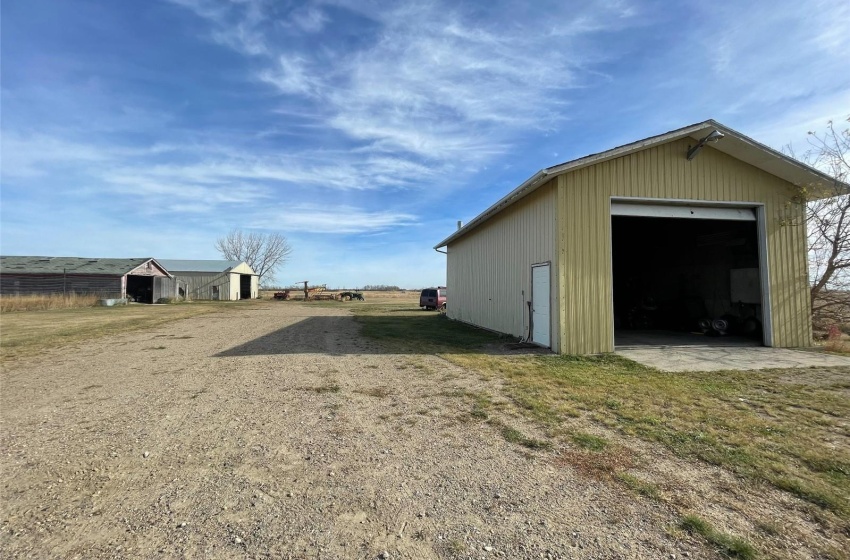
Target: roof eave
811	174
534	182
529	186
633	147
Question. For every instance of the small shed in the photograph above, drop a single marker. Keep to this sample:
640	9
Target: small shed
141	279
658	236
215	279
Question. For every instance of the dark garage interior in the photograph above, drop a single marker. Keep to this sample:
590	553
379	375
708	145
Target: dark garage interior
244	286
685	281
140	288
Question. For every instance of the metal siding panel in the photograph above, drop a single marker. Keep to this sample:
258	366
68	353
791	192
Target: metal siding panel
164	287
584	230
21	284
199	285
489	272
233	286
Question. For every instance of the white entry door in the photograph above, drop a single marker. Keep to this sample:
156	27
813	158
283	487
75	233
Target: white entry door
540	300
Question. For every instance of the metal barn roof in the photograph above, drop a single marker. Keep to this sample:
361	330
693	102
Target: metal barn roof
70	265
184	265
733	144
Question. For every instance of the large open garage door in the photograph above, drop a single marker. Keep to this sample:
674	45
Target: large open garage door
244	286
685	275
140	288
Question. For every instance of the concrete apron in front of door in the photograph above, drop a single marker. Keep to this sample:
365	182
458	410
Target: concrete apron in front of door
708	358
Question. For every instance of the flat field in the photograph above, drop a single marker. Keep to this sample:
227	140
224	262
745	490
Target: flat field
350	430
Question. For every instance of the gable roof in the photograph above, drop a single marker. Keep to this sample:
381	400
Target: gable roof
71	265
734	144
186	265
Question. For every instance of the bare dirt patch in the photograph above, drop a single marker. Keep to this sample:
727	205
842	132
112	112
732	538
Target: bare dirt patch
278	431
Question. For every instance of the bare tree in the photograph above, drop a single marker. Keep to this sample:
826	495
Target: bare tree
264	252
828	221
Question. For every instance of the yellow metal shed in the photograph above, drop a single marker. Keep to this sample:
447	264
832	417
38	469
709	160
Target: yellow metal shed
704	220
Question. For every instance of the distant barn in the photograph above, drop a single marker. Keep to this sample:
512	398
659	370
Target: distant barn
140	279
214	280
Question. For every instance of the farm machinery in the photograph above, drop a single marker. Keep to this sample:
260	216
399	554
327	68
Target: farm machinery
317	293
348	296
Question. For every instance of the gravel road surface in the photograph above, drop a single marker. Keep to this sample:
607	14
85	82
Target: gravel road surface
277	431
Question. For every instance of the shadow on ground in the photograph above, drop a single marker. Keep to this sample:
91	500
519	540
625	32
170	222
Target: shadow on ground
377	334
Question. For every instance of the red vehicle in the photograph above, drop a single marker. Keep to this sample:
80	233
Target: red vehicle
433	298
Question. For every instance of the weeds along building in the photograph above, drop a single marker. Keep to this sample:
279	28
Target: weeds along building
140	279
214	279
658	236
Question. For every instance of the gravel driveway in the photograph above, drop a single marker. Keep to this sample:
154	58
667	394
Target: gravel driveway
275	430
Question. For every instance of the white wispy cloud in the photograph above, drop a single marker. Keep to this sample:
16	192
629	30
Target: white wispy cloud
309	18
829	33
235	24
290	75
435	86
212	180
321	170
207	164
764	52
314	218
176	189
433	81
218	190
791	127
429	95
39	154
31	155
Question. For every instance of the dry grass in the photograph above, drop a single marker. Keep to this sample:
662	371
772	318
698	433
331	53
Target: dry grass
777	427
328	388
377	392
42	302
600	465
838	346
728	545
638	486
32	332
791	435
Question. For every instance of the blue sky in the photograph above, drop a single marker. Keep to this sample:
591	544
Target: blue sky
361	130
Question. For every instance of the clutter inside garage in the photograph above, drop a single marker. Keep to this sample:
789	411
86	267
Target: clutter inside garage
697	276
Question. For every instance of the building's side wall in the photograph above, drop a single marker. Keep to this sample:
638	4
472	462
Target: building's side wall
489	271
164	287
255	286
233	281
26	284
200	284
584	263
